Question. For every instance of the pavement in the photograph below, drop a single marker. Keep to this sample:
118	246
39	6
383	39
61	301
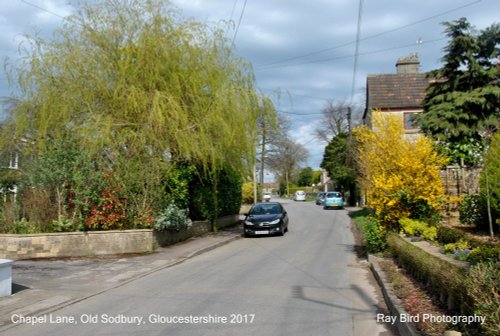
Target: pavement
44	285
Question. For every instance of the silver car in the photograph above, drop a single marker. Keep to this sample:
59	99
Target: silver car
300	195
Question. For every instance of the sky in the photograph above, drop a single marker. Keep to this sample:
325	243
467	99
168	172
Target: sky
305	50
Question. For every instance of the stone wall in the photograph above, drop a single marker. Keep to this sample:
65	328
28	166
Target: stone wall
75	244
165	238
92	243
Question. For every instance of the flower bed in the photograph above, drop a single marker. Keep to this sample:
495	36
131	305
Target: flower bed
454	243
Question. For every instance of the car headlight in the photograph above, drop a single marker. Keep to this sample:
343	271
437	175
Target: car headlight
248	223
276	221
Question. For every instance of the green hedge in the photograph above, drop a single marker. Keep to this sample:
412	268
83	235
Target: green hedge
227	191
292	190
464	291
229	188
483	284
442	279
374	236
447	235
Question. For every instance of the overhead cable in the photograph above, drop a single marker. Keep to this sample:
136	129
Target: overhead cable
371	36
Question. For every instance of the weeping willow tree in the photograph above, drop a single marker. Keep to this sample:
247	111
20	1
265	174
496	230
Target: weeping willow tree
138	87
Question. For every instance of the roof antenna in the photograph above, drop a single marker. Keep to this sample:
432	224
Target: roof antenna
418	42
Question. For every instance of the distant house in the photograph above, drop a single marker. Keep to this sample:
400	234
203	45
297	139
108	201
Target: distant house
9	165
400	94
9	162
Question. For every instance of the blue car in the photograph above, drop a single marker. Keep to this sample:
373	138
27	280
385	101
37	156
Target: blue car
333	199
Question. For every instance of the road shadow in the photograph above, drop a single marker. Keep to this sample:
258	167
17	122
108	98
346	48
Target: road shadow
16	288
298	293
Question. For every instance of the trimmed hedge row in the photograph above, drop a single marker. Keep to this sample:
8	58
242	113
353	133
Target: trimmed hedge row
442	279
465	291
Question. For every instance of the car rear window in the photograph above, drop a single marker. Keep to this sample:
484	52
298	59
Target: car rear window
334	194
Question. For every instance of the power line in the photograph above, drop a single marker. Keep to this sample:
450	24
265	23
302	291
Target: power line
300	114
356	49
288	93
43	9
239	21
371	36
232	14
348	56
232	10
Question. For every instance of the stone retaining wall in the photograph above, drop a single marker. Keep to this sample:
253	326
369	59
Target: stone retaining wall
75	244
91	243
165	238
428	268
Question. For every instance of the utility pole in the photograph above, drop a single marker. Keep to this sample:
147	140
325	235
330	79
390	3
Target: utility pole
349	127
263	153
287	189
254	184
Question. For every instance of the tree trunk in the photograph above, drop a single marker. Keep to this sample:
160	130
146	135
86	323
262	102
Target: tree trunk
488	204
215	196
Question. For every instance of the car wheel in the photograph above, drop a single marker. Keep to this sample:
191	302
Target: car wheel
281	231
325	208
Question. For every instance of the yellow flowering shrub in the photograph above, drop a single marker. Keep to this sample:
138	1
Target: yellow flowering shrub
247	193
413	227
399	175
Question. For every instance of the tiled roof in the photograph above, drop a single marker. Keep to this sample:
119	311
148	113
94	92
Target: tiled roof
396	90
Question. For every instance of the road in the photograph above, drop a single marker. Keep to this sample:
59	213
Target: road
308	282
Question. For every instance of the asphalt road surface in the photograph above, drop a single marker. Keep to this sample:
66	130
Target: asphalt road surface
308	282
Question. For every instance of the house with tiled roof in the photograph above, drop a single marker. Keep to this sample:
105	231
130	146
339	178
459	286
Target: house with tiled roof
400	94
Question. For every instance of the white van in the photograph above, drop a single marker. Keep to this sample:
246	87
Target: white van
300	195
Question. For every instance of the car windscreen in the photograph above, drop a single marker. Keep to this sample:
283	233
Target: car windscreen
264	209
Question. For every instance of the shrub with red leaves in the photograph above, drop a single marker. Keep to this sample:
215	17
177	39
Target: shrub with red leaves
109	214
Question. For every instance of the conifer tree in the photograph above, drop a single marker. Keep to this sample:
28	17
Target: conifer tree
463	101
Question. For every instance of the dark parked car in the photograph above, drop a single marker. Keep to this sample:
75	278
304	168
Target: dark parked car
266	219
320	198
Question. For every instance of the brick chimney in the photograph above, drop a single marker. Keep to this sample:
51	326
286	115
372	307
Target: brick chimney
409	64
